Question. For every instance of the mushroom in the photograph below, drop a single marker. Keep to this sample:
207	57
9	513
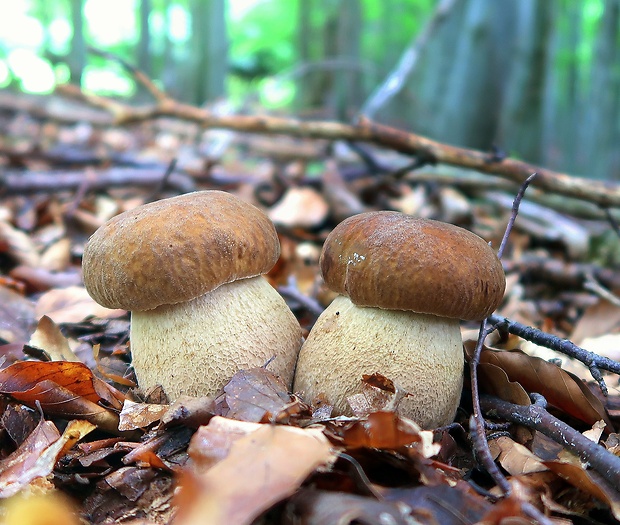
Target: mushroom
190	270
404	283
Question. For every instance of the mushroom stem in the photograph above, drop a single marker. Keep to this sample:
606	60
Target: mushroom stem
238	325
422	353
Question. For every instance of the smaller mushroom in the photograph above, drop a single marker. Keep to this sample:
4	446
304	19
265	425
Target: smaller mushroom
190	270
404	283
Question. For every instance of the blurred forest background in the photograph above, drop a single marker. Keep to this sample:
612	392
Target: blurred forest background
537	79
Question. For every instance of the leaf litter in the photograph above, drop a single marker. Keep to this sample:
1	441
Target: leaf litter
78	434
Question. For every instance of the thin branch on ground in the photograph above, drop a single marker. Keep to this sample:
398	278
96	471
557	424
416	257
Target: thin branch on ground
137	73
477	423
163	182
23	183
535	416
590	283
291	292
408	60
594	362
604	194
612	220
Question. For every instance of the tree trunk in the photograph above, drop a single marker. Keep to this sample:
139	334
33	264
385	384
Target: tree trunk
521	121
77	55
209	49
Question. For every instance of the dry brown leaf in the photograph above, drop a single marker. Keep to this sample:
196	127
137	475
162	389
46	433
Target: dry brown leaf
261	468
313	507
378	393
599	319
495	381
516	459
140	415
57	256
20	245
211	444
387	431
300	207
36	457
589	482
191	412
562	389
64	389
17	317
15	469
72	305
259	395
49	338
442	504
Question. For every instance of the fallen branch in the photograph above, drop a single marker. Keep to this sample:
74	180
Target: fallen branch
535	416
604	194
476	422
23	183
593	361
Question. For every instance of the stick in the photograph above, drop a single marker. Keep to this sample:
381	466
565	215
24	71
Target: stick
535	416
605	194
593	361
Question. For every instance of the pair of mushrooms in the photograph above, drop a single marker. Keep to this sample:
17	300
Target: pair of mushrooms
190	270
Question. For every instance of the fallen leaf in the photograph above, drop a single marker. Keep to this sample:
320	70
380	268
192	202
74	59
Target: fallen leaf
191	412
49	338
37	455
378	393
495	381
314	507
589	482
560	388
260	469
382	430
20	245
57	256
442	504
259	395
72	305
300	207
17	316
140	415
517	459
64	389
599	319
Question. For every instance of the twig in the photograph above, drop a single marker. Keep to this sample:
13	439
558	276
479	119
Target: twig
137	73
21	183
593	361
604	194
477	424
513	216
590	283
535	416
612	220
163	182
408	60
310	304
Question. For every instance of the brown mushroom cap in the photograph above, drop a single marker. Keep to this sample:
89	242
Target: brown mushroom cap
177	249
398	262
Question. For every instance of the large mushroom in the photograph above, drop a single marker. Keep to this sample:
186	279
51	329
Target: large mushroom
190	270
404	283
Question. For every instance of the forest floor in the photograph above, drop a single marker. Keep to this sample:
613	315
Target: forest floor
80	441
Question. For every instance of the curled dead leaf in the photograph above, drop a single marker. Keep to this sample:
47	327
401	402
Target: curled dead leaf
261	468
64	389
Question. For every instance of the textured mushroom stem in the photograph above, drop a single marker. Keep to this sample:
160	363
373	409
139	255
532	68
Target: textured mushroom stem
421	353
194	348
